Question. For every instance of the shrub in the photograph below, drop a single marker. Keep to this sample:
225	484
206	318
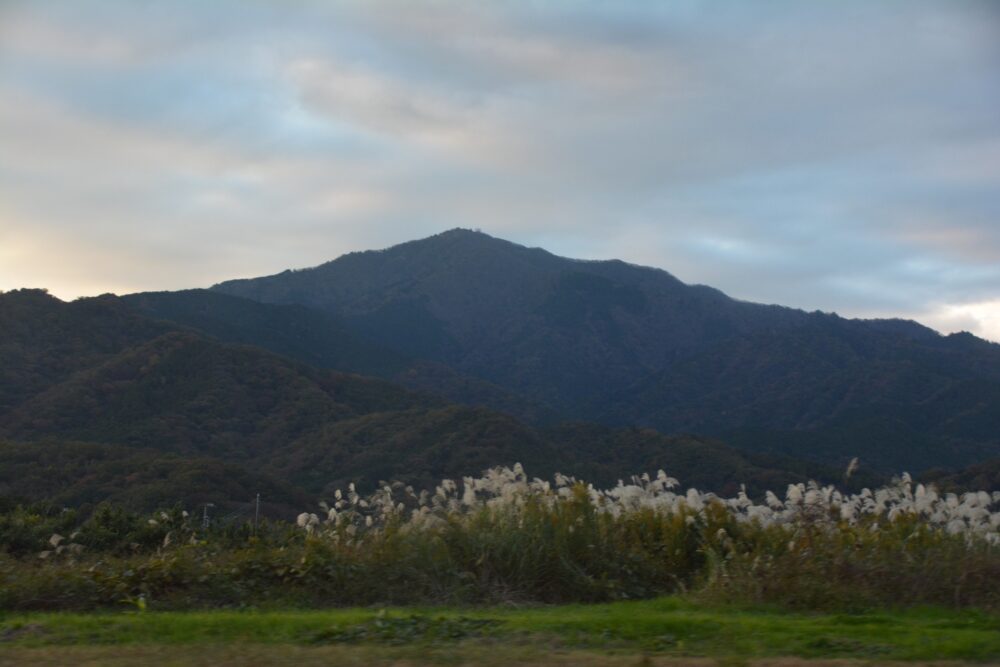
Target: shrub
503	537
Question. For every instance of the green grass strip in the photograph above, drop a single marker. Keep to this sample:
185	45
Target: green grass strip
665	626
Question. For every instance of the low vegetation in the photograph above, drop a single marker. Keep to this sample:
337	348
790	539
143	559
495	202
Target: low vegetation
505	538
602	634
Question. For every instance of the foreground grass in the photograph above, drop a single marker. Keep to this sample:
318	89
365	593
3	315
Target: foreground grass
606	634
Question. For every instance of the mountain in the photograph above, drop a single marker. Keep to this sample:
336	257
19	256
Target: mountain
628	345
311	336
41	344
320	339
188	394
521	318
448	355
103	402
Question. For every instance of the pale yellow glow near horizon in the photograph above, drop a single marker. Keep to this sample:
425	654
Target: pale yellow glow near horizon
982	319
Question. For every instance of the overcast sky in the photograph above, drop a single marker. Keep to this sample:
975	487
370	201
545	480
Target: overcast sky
837	156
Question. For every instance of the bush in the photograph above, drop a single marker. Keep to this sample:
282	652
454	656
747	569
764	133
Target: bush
503	538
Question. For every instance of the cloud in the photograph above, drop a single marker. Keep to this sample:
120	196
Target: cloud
982	318
839	157
393	112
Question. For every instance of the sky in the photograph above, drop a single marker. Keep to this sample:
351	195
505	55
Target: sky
837	156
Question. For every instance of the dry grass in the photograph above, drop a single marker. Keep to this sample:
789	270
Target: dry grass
505	538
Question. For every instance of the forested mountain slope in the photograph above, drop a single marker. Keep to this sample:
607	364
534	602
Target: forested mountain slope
629	345
116	405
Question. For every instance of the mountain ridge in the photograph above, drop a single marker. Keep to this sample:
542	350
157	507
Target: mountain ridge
633	345
460	234
446	355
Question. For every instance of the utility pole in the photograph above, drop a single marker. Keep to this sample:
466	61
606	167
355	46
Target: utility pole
204	514
256	516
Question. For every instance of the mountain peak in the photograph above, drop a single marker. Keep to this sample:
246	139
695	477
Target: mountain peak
463	232
463	239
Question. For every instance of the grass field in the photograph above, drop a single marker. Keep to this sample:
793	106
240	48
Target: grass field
663	631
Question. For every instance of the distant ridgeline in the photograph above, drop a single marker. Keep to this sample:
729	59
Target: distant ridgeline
445	356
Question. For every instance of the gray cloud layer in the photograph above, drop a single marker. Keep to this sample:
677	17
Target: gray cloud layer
842	156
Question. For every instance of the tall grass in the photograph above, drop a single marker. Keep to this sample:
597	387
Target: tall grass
505	538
